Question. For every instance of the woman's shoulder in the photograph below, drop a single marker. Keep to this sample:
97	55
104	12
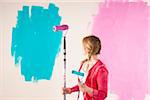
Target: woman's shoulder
102	67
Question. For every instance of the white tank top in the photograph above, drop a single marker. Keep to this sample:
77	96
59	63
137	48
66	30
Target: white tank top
83	79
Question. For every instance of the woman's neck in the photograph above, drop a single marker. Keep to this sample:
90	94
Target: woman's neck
89	64
93	58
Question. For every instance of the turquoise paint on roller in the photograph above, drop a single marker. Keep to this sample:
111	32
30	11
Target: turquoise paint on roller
34	43
77	73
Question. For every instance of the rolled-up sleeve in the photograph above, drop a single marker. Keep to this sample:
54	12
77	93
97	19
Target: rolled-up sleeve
75	88
102	80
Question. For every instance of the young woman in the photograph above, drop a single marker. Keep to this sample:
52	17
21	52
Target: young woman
95	80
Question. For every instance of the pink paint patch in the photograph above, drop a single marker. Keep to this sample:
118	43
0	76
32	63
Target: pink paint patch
123	30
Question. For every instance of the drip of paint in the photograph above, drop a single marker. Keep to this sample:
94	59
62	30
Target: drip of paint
34	43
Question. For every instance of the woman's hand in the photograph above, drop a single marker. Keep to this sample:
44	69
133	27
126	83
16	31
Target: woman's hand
66	90
84	88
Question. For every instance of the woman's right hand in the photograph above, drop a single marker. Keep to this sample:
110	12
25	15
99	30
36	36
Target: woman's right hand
66	90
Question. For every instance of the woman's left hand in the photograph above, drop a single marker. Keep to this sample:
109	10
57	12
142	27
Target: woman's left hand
84	88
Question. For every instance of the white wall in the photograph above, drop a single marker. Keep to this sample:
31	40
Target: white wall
78	15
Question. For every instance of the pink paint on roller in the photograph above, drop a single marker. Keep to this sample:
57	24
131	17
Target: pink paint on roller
61	28
123	30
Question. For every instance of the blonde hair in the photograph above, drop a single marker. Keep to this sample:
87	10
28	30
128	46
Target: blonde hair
93	44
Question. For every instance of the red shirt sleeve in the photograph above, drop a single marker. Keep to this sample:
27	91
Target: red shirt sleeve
102	80
75	88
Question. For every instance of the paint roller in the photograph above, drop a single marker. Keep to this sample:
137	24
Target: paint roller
79	74
63	28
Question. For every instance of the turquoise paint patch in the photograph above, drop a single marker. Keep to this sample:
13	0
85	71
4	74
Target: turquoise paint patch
34	43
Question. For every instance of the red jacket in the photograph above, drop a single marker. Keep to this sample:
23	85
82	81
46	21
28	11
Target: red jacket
97	79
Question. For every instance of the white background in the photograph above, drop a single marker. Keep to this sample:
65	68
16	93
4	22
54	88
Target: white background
78	15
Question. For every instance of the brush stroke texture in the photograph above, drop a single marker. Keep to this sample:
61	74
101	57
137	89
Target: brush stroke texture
123	29
34	43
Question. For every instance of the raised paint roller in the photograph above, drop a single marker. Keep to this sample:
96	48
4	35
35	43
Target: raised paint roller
63	28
